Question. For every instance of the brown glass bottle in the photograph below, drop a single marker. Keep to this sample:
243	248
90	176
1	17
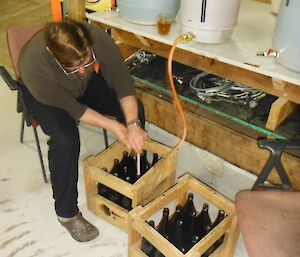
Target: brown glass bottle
188	206
163	226
158	254
116	169
113	195
202	221
147	247
189	227
145	165
188	211
179	237
155	159
125	201
209	251
123	164
132	169
102	189
177	215
220	217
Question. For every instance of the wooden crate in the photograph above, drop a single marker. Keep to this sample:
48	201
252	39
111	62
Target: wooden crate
157	180
138	226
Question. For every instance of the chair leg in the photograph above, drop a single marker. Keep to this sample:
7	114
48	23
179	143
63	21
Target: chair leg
105	138
273	162
22	128
40	154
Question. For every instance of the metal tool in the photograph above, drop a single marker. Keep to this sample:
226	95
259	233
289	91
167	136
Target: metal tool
137	58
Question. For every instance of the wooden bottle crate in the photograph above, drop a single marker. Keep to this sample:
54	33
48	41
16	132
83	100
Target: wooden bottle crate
157	180
138	226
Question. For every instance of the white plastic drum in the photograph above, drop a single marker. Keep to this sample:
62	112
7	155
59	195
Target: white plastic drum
212	21
146	11
286	36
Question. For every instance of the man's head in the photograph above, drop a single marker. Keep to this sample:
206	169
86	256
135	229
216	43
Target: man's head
70	43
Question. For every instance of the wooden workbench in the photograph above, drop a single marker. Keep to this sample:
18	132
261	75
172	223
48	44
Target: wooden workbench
234	59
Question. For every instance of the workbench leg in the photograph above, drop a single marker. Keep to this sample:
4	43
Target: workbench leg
280	110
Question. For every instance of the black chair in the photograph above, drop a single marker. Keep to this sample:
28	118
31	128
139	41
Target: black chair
21	108
268	215
276	148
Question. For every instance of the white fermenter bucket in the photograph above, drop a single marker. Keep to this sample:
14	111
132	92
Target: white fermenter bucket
146	11
211	21
286	36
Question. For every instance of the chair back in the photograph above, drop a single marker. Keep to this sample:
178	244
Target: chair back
17	37
268	215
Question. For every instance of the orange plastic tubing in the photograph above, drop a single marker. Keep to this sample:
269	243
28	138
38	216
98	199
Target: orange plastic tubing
173	89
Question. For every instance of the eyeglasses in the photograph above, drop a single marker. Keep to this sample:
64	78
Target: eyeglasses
76	70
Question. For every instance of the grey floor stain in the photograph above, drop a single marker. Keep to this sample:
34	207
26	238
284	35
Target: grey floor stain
37	253
114	255
4	201
10	210
103	244
5	179
14	226
17	250
7	242
61	255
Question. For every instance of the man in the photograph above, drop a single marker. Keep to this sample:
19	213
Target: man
74	73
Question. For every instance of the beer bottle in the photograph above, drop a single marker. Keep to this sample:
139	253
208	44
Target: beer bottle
147	247
177	215
220	217
155	159
102	189
126	175
123	162
179	236
202	221
116	169
132	169
158	254
163	226
120	170
126	202
190	239
188	207
113	195
145	165
210	250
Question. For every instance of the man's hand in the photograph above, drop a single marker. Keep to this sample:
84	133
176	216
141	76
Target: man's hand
120	132
136	137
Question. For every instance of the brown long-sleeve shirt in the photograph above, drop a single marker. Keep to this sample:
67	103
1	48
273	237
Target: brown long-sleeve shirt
49	85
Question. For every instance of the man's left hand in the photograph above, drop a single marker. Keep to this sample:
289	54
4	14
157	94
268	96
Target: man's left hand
136	137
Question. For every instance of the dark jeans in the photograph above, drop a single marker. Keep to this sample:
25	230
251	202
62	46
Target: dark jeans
64	143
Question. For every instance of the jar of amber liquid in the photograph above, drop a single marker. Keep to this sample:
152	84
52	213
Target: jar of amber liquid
164	22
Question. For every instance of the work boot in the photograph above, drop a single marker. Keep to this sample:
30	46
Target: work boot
79	228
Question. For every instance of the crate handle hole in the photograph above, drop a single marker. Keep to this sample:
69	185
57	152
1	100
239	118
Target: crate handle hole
105	209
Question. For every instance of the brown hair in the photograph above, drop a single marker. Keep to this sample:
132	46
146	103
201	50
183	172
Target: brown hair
69	42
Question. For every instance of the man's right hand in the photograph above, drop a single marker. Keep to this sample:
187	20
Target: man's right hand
98	120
